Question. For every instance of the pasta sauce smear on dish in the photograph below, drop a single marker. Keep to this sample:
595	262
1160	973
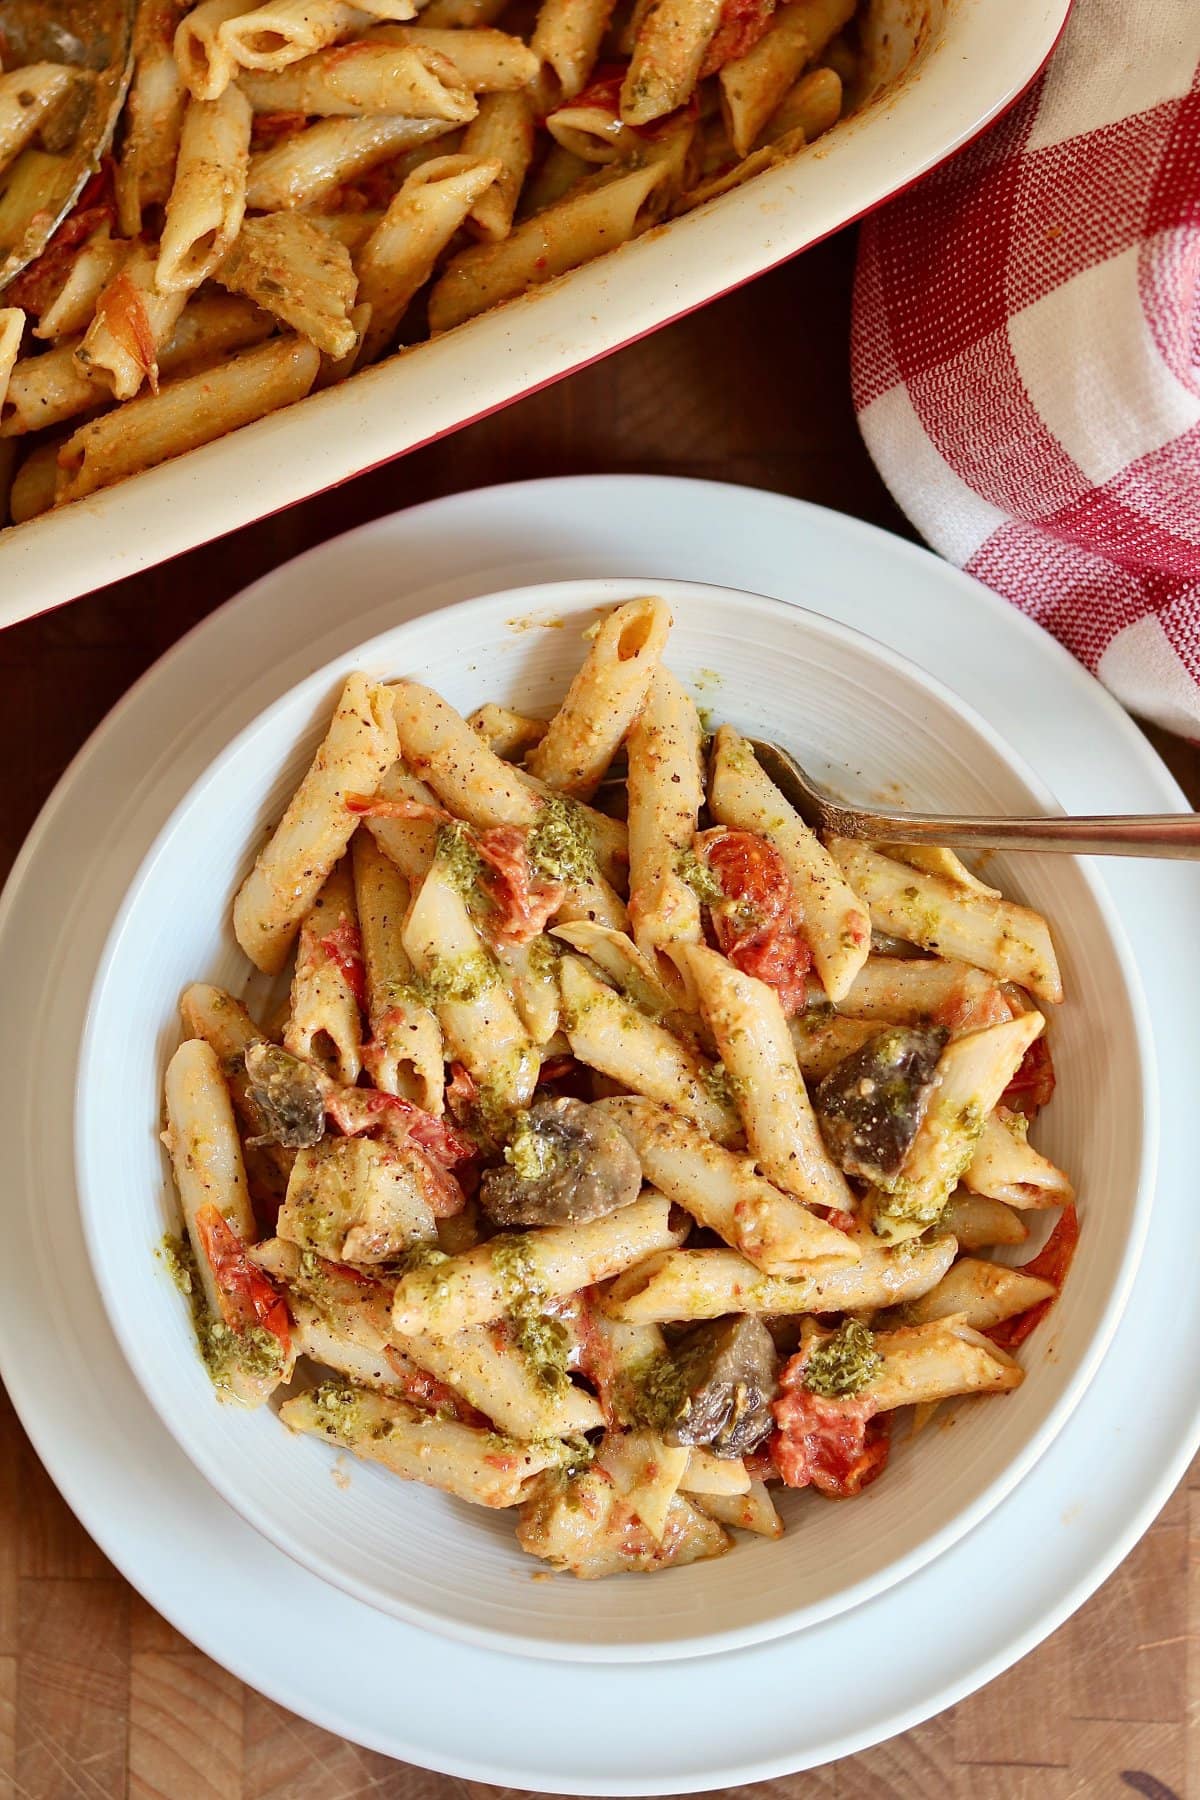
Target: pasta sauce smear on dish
300	187
624	1151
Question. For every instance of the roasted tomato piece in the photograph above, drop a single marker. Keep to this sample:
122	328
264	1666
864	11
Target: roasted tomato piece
248	1297
757	920
836	1446
1050	1264
1032	1087
739	28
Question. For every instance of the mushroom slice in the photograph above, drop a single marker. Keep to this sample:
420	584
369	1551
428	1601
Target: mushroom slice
565	1163
287	1095
724	1382
871	1105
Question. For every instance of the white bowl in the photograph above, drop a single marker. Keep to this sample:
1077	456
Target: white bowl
941	71
854	713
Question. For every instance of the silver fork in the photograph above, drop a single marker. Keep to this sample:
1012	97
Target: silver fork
1175	835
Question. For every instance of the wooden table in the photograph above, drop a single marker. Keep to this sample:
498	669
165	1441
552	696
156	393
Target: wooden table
99	1697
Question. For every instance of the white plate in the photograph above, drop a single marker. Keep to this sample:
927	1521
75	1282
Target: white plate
855	713
678	1727
976	57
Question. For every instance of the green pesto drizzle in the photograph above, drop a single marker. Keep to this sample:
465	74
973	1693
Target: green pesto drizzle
462	978
700	876
844	1363
559	845
530	1152
223	1351
542	1339
456	851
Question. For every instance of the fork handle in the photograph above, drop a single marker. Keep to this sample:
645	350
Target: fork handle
1172	835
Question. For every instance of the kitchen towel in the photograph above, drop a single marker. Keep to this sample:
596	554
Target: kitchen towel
1026	352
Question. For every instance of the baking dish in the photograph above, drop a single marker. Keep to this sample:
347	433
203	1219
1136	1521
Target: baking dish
938	72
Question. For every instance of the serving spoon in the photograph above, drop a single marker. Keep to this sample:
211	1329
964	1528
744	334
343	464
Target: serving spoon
1174	835
41	186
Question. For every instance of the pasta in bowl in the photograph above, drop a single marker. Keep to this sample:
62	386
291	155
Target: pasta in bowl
609	1149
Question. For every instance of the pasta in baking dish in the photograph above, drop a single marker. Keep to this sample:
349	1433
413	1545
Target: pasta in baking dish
622	1150
300	187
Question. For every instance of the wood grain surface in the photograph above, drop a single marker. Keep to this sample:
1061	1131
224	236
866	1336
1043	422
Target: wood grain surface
99	1697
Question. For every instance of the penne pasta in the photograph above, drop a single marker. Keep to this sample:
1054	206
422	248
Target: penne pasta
34	482
459	1459
399	256
978	1224
208	197
822	1040
281	32
364	78
99	260
185	414
981	1294
502	133
12	328
46	390
288	874
898	990
741	795
489	62
477	785
484	1283
667	55
621	960
404	1055
203	56
504	731
714	1475
305	169
487	1366
1006	1166
531	971
753	1511
753	85
325	1024
681	1285
1010	941
666	791
972	1074
752	1036
241	1321
589	1529
132	322
604	699
609	1033
154	108
29	98
722	1190
584	223
645	1472
935	1361
566	40
808	110
480	1024
288	266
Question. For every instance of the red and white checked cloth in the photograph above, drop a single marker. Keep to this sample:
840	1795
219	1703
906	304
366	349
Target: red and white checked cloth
1026	352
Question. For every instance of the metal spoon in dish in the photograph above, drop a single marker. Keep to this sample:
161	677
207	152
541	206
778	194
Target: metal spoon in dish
1174	835
39	188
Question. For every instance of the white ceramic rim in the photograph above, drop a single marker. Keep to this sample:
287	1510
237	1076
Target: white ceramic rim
559	598
988	57
103	1464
